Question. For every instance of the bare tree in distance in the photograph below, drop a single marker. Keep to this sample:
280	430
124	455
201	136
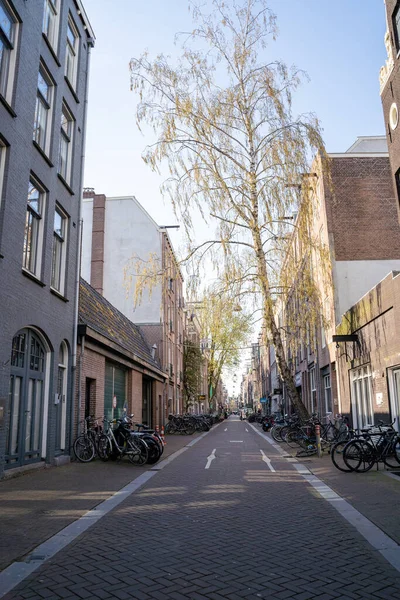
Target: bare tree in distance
237	155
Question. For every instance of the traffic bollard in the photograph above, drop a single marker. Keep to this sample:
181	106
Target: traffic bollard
318	439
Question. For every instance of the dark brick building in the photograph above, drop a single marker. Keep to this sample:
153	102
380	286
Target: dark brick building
390	90
45	47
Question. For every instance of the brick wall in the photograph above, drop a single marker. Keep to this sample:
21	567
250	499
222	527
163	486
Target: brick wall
97	265
362	215
136	394
92	366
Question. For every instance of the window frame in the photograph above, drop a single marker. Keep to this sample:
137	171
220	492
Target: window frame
60	240
47	103
313	388
38	216
396	26
68	137
361	382
54	8
72	50
11	44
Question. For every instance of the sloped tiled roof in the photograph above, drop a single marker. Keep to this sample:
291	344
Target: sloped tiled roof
101	316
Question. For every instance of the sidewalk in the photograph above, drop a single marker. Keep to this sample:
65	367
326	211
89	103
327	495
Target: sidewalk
39	503
374	494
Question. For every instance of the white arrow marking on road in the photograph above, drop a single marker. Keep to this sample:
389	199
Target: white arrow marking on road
210	459
226	429
268	461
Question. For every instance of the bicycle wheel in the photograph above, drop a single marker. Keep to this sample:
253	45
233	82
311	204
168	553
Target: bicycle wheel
275	432
104	447
84	449
293	438
283	431
359	456
137	451
391	456
337	452
153	452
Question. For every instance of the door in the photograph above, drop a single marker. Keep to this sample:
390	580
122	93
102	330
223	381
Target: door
26	399
114	391
395	398
60	399
146	402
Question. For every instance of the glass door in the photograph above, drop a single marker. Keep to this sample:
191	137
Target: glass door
26	399
395	399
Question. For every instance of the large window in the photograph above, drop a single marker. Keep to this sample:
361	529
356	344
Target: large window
8	26
59	251
33	239
363	412
50	22
41	131
328	394
65	157
71	60
396	25
313	390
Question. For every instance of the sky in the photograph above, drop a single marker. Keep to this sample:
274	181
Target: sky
339	43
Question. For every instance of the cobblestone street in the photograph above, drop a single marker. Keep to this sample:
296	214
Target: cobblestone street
248	526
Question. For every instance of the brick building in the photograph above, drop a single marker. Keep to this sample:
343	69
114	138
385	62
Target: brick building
390	90
369	367
44	58
120	237
357	221
117	373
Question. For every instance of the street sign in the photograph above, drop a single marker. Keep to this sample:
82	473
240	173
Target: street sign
201	397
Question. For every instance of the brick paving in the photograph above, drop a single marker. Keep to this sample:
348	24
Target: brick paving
235	531
373	493
38	504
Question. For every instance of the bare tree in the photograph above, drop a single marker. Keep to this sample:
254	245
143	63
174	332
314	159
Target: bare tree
236	153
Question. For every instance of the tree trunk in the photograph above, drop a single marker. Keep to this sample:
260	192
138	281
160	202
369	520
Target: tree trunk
269	316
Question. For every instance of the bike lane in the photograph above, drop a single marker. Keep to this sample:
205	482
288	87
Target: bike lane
228	518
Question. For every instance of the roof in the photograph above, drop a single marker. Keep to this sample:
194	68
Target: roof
101	316
368	144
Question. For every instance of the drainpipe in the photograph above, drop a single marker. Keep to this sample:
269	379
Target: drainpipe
90	44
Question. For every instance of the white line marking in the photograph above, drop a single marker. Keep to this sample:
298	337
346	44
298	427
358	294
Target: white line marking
210	459
268	461
247	430
226	429
236	441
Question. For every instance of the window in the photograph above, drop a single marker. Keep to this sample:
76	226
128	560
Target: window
396	25
65	157
313	390
71	60
44	98
361	397
328	393
8	31
59	251
50	21
2	162
33	238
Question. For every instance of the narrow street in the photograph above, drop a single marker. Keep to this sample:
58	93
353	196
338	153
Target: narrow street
228	518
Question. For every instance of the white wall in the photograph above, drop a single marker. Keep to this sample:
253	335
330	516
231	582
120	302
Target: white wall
129	231
87	216
353	279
